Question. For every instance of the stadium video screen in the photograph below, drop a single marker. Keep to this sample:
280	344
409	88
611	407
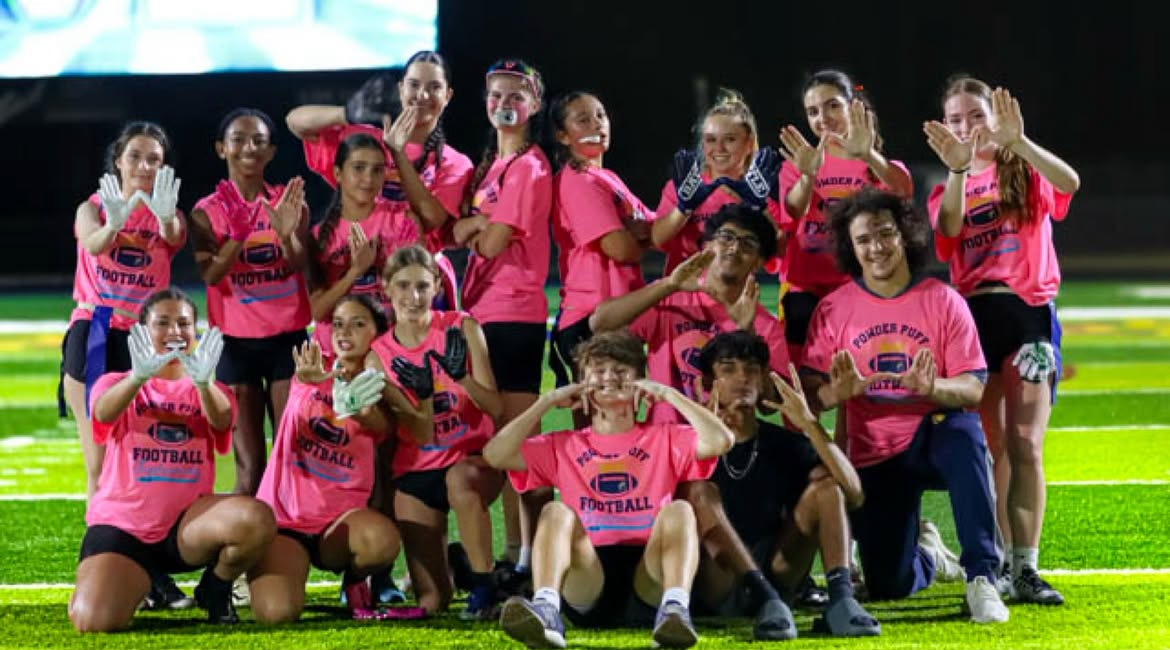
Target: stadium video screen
49	38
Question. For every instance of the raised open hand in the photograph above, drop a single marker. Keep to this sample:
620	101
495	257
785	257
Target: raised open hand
806	158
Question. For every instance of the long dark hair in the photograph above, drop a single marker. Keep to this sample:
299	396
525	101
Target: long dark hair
436	139
850	91
557	112
319	244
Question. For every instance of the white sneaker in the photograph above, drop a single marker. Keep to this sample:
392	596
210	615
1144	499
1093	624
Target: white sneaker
984	602
241	594
946	563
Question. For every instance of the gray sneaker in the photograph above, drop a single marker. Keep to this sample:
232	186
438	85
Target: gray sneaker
673	627
536	624
1029	587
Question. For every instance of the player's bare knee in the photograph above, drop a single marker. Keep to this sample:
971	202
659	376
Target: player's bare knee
270	611
88	615
678	516
557	514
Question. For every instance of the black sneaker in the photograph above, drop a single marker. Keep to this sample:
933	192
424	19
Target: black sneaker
215	596
511	581
1029	587
673	627
809	595
460	566
165	594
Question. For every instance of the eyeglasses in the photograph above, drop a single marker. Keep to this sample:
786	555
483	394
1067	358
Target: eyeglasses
747	243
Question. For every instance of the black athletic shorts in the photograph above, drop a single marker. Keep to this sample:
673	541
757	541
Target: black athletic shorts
516	351
161	557
428	486
561	345
618	605
1005	322
258	362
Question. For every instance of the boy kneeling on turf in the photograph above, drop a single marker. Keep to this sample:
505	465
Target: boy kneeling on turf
615	518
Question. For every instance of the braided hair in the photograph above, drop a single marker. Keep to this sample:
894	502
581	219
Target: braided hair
319	245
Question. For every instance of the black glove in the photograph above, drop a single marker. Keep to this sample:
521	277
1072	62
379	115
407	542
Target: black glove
687	174
453	361
418	379
761	181
378	96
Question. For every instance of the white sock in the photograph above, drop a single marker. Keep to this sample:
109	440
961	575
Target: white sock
547	595
1024	557
680	596
525	558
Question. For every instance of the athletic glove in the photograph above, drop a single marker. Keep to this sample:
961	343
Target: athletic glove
378	96
144	361
116	208
235	211
350	397
760	182
690	190
200	364
453	361
1035	361
418	379
164	200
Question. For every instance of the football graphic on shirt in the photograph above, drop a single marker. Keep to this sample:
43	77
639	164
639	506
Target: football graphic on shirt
130	252
260	254
612	479
169	433
328	432
982	215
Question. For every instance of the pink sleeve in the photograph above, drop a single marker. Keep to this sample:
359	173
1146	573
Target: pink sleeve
819	346
540	455
103	431
588	206
223	439
944	246
668	202
451	181
963	352
684	444
1046	199
524	196
788	177
773	334
321	150
646	325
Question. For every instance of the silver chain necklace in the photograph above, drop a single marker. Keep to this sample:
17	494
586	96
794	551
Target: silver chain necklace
737	474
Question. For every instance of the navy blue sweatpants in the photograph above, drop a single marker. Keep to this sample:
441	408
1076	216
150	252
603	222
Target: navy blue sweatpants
948	453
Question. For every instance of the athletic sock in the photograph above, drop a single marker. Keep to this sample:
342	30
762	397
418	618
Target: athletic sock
758	586
840	584
678	595
1024	558
547	595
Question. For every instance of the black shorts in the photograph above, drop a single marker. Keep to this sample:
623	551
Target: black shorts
311	543
73	350
798	310
618	605
161	557
516	351
1005	322
561	345
256	362
428	486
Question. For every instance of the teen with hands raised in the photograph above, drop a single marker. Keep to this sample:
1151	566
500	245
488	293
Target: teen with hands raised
993	222
154	511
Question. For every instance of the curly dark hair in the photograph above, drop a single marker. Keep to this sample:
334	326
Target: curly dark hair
750	219
737	345
911	223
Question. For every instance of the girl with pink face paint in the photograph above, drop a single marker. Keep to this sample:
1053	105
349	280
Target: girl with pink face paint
505	224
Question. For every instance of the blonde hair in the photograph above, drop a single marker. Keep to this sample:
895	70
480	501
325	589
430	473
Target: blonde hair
407	256
730	102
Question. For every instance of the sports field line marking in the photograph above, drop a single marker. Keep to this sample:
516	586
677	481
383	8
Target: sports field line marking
1135	481
1112	391
1110	427
32	586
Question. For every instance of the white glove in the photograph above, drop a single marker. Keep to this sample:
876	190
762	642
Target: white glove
165	198
1035	361
117	208
350	397
200	364
144	361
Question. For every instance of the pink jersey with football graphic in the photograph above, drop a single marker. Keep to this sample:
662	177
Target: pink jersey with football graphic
990	248
391	229
261	294
510	286
160	456
615	483
321	466
687	241
448	183
809	264
137	264
461	427
675	331
883	335
590	204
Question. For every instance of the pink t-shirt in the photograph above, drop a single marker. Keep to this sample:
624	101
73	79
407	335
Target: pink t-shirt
510	286
160	456
809	264
461	427
589	205
675	331
321	466
615	483
990	249
386	225
883	335
261	294
137	264
448	183
687	241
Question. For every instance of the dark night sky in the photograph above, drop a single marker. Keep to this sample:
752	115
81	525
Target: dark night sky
1091	85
